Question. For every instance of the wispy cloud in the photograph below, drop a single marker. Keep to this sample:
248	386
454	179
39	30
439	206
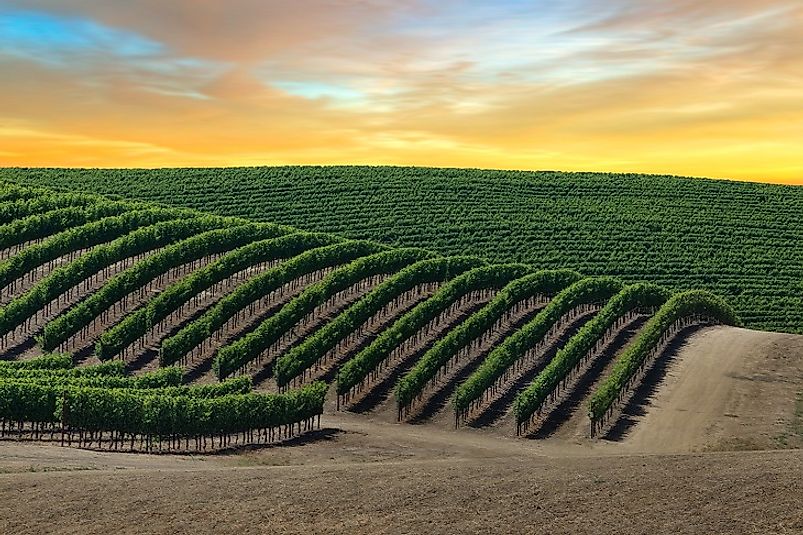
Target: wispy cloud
59	41
99	54
703	88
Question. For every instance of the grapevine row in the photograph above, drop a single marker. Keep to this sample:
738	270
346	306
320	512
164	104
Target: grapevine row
97	406
316	347
89	265
206	243
21	208
193	334
136	324
681	310
354	373
491	373
77	238
32	229
541	283
583	346
249	347
739	240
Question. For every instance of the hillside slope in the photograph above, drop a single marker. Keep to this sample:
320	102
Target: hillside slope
723	388
398	331
740	240
77	269
716	388
364	476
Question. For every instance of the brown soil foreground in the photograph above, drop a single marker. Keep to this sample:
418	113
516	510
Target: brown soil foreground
682	463
722	493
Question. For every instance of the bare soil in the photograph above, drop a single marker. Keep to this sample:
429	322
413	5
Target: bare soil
371	480
697	458
723	389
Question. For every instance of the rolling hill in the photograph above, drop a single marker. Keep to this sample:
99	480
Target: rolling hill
150	297
739	240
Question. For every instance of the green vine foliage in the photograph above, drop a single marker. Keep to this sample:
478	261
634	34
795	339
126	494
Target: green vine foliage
137	323
637	296
305	354
194	247
61	225
357	369
89	264
248	347
545	282
586	291
175	347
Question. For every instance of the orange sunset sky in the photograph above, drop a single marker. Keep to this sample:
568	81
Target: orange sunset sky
705	88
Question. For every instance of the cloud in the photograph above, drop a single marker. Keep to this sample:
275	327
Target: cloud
52	40
700	88
241	30
99	54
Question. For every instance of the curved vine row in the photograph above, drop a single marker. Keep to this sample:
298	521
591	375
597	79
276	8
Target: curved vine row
595	223
236	355
581	346
175	347
300	358
21	208
545	282
81	237
682	309
53	223
355	372
62	279
11	192
492	370
137	324
206	243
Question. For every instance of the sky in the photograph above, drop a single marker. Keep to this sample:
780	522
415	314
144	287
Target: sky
701	88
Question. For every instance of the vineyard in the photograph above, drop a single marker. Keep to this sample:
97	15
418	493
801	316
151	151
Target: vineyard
133	326
739	240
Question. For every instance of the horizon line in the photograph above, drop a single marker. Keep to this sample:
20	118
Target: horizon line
767	181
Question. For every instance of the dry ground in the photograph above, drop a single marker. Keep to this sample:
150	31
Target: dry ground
683	463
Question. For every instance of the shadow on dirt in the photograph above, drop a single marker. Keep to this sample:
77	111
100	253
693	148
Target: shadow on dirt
646	390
